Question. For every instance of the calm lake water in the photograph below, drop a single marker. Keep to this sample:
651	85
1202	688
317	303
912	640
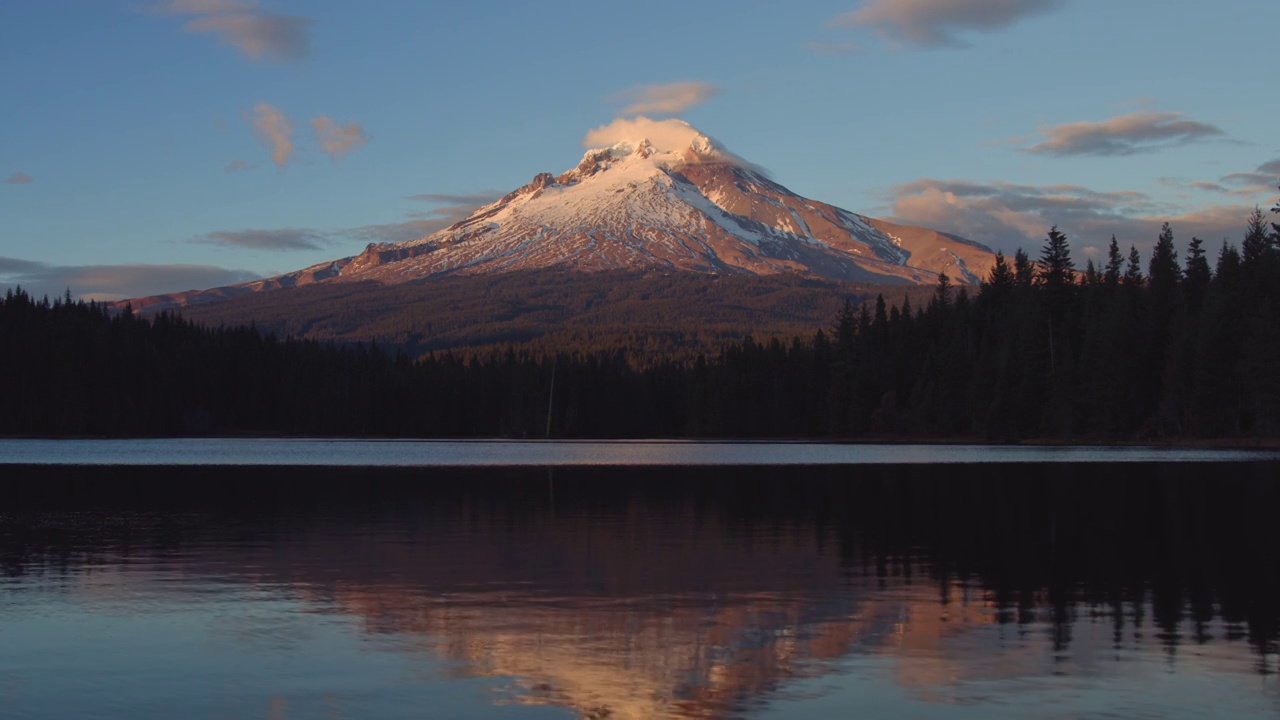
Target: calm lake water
1101	589
561	453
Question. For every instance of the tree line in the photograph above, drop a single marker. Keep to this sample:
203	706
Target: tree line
1124	349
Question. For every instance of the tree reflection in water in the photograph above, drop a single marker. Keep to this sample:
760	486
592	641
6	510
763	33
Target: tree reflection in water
668	592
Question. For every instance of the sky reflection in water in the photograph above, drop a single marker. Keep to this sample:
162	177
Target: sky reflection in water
638	594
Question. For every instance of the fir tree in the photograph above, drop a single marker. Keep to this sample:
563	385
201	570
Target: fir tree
1197	276
1256	247
1115	264
1133	272
1023	271
1163	270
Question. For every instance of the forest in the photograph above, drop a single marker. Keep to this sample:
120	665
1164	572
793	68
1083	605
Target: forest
1182	345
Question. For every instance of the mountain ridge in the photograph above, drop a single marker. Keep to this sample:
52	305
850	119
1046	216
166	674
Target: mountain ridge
684	205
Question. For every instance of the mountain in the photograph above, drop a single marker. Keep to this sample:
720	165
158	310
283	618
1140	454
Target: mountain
638	205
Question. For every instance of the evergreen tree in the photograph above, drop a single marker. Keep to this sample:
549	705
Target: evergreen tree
1001	279
1023	271
1133	272
941	292
1257	245
1197	276
1163	271
1115	264
1091	275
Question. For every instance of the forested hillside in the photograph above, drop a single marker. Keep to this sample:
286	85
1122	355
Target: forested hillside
1183	344
650	315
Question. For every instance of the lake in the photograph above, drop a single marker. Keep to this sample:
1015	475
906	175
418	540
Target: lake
266	580
562	453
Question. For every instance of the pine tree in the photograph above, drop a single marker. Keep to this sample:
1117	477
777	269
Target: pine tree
1163	270
1133	272
1023	271
1001	279
1091	275
1057	271
1197	276
1256	247
1115	264
941	292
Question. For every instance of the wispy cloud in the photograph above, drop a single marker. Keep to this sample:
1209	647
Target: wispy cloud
19	178
338	140
836	48
484	197
257	34
1252	186
115	282
935	23
1267	176
275	131
1008	215
276	240
1130	134
397	232
668	99
238	166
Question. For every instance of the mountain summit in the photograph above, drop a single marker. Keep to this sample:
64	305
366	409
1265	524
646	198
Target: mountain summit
675	200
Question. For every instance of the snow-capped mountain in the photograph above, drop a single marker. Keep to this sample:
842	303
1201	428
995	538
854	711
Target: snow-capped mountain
683	203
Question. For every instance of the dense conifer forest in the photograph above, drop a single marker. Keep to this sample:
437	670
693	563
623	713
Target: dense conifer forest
1181	345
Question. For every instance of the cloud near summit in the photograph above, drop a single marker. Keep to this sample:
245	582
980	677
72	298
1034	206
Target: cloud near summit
934	23
669	99
665	135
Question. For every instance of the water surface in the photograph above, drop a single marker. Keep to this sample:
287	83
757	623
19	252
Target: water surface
1103	590
561	453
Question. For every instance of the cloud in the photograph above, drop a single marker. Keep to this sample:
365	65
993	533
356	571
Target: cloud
665	135
934	23
1267	176
338	140
275	240
239	165
1008	215
115	282
484	197
295	239
398	232
19	178
275	131
836	48
669	99
1123	135
669	135
258	35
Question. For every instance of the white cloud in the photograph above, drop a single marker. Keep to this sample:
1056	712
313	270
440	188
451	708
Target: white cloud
668	99
338	140
934	23
258	35
665	135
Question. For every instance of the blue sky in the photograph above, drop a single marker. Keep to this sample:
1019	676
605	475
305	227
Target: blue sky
142	148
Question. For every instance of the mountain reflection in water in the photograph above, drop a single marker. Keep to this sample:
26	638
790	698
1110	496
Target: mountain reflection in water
643	593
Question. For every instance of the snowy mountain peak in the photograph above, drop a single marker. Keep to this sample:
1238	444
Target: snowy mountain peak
659	194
